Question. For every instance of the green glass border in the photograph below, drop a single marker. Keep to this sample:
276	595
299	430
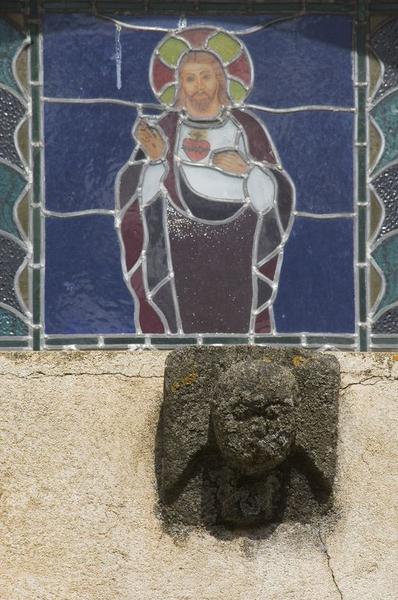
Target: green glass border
383	341
125	340
385	7
361	76
36	218
75	341
164	341
360	8
17	344
14	6
189	7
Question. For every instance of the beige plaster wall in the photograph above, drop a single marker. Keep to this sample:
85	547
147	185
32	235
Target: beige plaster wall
78	503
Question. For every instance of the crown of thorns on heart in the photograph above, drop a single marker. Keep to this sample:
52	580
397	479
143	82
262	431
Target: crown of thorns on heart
230	51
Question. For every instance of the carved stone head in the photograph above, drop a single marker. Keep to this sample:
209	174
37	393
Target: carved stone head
253	415
247	436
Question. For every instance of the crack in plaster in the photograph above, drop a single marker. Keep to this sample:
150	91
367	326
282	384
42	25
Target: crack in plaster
38	374
373	380
368	381
329	559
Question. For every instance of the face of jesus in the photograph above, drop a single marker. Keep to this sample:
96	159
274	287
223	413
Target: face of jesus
200	87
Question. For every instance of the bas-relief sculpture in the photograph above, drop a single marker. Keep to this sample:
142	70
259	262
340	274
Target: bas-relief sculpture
247	436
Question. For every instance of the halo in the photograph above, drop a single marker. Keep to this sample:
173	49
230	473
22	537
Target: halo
230	51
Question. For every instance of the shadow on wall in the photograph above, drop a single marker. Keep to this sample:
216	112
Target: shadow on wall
246	438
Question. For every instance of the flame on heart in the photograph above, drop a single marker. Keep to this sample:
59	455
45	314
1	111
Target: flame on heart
196	148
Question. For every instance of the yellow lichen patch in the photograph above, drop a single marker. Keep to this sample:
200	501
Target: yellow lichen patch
297	361
395	357
267	360
184	381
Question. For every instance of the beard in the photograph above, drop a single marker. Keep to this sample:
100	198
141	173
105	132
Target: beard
201	102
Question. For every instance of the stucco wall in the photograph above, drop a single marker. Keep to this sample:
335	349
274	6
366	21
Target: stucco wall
78	503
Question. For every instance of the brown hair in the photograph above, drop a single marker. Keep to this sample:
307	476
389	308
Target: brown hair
208	58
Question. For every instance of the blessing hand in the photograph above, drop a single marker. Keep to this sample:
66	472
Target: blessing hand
231	162
151	140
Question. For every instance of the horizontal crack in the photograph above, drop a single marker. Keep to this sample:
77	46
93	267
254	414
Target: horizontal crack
39	374
373	380
369	381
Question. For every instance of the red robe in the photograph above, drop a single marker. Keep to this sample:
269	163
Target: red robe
212	290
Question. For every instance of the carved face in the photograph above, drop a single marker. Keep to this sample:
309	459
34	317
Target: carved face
253	416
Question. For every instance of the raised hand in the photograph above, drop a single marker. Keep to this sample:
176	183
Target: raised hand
151	140
231	162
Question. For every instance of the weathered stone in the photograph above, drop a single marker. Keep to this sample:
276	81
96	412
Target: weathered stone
253	415
247	435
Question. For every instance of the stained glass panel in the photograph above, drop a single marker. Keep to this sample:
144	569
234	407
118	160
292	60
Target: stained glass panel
227	181
383	245
15	249
169	179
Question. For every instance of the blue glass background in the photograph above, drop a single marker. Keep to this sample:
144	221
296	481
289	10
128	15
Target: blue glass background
315	148
86	146
303	61
79	59
297	62
84	289
316	289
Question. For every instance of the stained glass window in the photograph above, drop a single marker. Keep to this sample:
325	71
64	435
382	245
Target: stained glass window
196	179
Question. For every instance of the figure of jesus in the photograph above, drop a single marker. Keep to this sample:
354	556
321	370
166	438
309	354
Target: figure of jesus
206	209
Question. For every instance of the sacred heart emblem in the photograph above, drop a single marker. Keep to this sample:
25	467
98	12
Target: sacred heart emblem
196	147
